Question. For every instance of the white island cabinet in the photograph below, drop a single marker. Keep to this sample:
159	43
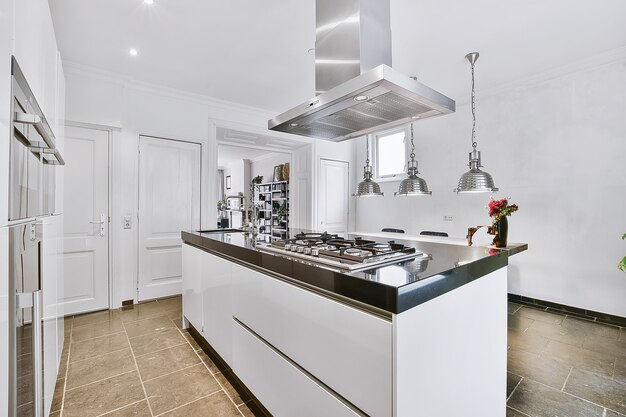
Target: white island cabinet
304	353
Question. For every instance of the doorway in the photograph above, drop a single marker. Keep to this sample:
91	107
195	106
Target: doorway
86	220
169	201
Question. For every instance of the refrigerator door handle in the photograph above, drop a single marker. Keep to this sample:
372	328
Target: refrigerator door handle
37	354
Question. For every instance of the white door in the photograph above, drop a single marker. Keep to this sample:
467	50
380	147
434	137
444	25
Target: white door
333	192
86	220
169	202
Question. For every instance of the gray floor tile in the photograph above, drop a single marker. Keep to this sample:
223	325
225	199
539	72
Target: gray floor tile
557	332
540	315
597	389
581	358
151	325
527	341
98	346
591	327
139	409
101	367
518	323
605	345
541	369
538	400
164	361
510	412
511	382
215	405
513	307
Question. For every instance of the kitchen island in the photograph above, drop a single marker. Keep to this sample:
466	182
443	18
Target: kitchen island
425	336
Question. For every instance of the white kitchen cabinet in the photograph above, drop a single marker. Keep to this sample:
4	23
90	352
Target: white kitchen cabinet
193	264
280	386
207	290
348	349
217	307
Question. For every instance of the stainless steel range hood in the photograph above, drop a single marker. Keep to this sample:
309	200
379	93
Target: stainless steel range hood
358	91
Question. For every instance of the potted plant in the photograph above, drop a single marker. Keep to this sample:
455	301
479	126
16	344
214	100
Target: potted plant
498	211
622	264
258	179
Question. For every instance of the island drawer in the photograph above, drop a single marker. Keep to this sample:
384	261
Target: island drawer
345	348
283	388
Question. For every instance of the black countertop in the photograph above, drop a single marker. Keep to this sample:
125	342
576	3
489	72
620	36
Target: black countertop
390	288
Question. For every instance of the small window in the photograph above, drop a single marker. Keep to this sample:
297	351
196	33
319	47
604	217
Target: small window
390	154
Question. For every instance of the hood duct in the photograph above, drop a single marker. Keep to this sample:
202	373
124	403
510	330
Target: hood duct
357	90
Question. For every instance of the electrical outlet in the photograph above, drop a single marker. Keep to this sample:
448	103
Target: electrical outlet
448	218
127	222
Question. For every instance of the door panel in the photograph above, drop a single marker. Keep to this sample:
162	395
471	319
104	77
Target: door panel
169	202
333	196
86	203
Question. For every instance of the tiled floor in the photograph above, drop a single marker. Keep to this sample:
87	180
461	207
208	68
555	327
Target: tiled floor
564	366
140	363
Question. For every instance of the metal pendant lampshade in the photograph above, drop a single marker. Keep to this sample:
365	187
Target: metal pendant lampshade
413	185
368	187
475	180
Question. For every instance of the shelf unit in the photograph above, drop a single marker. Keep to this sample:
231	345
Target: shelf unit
273	200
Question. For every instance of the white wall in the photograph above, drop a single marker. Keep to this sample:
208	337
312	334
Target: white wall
265	165
134	109
556	145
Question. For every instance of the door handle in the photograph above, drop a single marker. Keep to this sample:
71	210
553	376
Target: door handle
102	223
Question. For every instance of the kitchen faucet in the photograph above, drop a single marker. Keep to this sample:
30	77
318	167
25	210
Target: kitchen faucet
472	230
244	208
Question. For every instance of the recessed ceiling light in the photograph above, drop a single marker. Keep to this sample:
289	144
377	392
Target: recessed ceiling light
148	1
293	124
361	98
132	52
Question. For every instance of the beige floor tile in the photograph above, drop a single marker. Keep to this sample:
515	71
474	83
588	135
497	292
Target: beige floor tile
156	341
97	317
230	390
597	389
541	369
141	327
527	341
513	307
191	340
510	412
591	327
174	390
538	400
139	409
165	361
620	369
103	396
610	413
101	367
215	405
540	315
605	345
142	311
518	323
213	367
581	358
57	398
511	382
99	346
557	332
90	331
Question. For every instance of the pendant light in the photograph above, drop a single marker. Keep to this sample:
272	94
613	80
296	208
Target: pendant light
413	185
367	187
475	180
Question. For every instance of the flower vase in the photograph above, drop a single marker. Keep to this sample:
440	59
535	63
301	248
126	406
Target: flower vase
501	228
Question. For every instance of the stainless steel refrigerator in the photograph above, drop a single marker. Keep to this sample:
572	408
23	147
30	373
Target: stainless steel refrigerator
31	200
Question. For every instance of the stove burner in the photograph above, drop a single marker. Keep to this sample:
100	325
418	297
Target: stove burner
383	247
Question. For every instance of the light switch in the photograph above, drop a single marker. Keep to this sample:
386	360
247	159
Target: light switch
448	218
127	221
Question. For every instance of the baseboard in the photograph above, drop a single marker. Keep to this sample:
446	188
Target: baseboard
572	311
246	395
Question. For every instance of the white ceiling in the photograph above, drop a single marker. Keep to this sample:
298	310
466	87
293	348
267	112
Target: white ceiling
255	52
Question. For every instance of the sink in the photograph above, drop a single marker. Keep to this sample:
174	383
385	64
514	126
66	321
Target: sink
221	231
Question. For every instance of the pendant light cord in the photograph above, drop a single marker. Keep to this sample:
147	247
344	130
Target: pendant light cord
412	145
367	150
474	144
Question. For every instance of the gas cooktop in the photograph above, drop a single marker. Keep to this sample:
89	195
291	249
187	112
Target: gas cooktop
348	254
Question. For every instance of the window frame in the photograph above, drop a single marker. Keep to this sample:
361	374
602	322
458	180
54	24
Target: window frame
374	140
